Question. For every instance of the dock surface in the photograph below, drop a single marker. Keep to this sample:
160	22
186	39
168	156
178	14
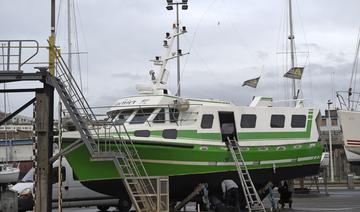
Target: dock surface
339	199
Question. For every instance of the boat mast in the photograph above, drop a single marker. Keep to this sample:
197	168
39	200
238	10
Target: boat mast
69	35
292	47
5	125
184	6
353	73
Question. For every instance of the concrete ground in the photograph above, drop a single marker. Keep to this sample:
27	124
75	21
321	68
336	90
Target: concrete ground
339	199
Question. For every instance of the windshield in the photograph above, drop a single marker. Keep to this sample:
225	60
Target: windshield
123	116
29	176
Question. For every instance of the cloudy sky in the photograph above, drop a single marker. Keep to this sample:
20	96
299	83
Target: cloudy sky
229	41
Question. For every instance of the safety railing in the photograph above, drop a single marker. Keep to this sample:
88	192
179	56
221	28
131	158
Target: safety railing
16	53
169	115
348	100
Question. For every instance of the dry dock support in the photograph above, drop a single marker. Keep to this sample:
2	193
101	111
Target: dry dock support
44	107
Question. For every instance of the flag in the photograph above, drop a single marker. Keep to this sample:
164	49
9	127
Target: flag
252	82
295	73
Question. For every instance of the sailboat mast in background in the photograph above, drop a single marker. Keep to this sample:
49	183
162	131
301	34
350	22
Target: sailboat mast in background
292	49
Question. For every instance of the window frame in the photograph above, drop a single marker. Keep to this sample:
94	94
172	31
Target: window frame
242	124
166	131
142	133
278	115
143	114
157	114
296	125
207	126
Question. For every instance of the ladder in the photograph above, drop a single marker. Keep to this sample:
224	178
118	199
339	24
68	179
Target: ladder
252	198
100	137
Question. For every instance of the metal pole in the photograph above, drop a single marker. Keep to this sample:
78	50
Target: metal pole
60	159
52	53
292	53
178	93
330	144
69	35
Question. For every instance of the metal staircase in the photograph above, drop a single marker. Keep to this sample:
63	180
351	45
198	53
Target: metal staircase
104	140
252	198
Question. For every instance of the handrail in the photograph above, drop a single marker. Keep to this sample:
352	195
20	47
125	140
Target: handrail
9	57
348	100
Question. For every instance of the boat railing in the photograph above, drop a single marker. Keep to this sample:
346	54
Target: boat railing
14	54
348	100
170	116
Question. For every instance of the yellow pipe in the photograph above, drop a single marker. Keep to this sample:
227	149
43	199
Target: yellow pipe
52	55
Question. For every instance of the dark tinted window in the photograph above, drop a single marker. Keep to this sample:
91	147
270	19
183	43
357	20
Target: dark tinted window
248	121
54	175
207	121
75	177
277	121
123	116
170	133
298	121
142	133
160	117
141	116
174	115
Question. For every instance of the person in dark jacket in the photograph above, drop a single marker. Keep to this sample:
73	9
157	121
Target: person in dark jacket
285	195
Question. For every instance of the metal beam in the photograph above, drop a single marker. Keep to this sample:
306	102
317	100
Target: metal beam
66	150
44	132
14	76
21	90
12	115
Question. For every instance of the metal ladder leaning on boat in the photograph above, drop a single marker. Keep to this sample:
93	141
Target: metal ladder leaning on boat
252	197
96	136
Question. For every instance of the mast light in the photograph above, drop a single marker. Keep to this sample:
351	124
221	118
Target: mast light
165	44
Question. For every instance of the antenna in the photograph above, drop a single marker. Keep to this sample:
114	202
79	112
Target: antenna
184	6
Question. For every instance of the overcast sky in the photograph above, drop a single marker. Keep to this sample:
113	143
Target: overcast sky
229	42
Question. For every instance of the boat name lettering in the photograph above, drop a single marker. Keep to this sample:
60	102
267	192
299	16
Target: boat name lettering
132	102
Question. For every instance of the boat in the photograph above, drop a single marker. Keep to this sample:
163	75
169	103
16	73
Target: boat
183	138
349	114
8	174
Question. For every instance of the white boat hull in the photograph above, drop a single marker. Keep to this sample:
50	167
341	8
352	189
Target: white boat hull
350	125
9	175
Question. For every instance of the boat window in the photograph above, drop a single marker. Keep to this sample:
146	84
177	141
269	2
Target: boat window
54	175
142	115
174	114
123	116
298	121
170	133
277	121
160	117
142	133
248	121
75	177
207	121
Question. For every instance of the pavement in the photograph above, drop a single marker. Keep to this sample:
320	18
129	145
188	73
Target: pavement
339	199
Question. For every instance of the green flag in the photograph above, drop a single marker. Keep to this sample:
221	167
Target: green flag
252	82
295	73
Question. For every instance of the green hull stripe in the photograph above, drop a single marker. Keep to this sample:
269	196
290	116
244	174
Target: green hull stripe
182	160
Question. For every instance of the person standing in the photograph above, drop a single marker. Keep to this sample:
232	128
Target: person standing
230	193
